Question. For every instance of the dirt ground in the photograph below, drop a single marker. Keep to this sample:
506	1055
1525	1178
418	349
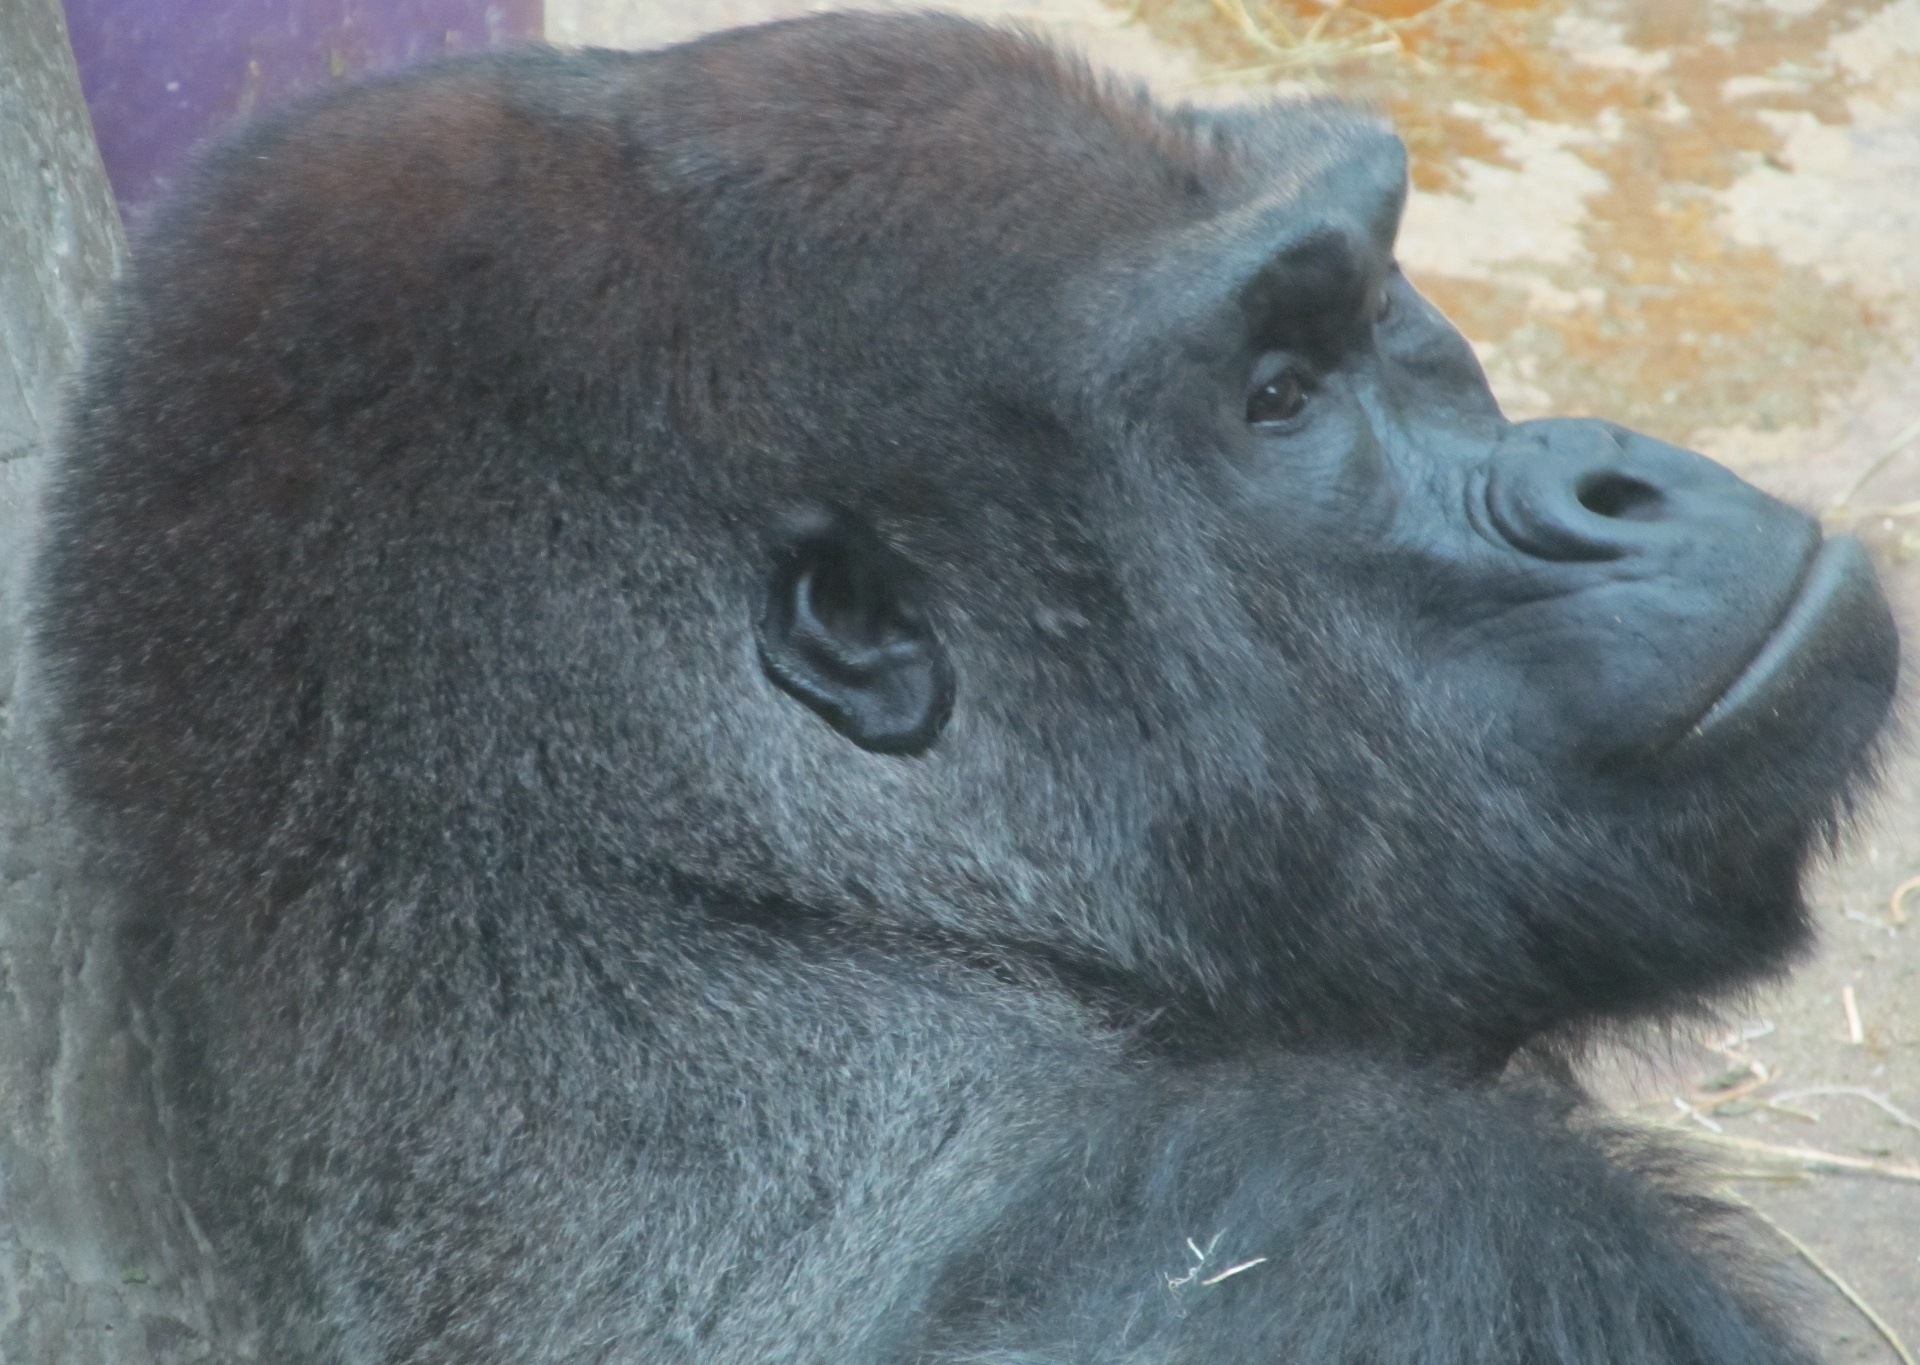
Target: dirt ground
1701	217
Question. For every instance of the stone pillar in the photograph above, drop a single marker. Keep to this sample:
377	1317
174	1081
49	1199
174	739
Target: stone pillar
98	1265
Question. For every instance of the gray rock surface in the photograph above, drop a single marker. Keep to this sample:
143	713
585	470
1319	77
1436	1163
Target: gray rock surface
98	1264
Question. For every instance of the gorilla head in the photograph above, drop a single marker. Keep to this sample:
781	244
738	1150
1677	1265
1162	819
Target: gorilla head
867	496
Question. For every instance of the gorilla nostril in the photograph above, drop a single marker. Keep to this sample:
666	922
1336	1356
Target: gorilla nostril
1619	495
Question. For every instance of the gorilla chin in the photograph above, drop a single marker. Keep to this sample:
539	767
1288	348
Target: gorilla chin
843	694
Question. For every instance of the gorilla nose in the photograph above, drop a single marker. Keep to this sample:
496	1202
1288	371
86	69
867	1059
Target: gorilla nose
1571	490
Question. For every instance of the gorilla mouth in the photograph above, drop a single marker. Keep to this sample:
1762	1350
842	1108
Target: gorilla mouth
1837	628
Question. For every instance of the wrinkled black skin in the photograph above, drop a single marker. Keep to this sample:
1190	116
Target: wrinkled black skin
727	746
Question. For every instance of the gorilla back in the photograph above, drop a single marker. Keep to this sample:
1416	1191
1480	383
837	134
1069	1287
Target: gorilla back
841	694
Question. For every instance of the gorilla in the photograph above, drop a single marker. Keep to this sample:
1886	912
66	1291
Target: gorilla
843	694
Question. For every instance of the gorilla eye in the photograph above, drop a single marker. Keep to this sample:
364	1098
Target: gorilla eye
1280	399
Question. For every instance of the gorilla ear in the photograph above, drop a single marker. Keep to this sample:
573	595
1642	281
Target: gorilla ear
844	630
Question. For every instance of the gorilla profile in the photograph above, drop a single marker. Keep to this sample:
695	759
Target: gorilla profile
843	695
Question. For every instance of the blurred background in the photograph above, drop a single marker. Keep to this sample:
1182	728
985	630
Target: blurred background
1700	217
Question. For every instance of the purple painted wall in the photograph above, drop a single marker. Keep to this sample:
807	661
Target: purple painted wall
161	75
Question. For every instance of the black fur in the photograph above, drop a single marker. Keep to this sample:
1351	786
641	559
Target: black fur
843	695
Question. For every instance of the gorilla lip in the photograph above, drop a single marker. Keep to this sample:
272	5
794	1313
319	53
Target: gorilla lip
1837	616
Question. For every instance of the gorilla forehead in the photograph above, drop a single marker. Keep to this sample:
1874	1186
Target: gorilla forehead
930	123
970	180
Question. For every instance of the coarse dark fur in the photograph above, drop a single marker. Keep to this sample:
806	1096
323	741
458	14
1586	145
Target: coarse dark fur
743	721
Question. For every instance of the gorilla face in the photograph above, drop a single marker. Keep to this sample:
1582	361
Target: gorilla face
1612	603
1619	603
1445	690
